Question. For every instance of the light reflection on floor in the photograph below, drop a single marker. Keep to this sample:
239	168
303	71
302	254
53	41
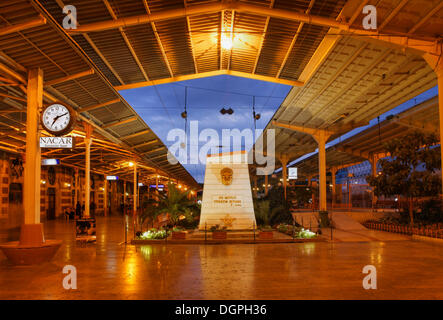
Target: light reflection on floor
112	270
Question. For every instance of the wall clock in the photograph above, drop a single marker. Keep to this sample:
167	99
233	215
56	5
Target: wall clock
58	119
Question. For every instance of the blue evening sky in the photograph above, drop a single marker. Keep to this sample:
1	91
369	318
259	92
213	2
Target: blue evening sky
160	106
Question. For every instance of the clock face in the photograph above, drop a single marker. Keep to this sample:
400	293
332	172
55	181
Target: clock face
57	119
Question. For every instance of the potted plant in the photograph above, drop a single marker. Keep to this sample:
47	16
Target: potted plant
174	203
178	233
263	216
218	233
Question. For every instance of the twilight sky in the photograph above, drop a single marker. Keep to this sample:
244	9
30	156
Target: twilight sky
160	106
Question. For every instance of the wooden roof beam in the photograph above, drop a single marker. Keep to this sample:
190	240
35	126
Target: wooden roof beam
188	22
426	17
157	37
311	131
23	26
125	38
106	62
392	14
136	134
118	123
294	39
70	77
353	152
100	105
154	150
144	144
209	74
429	46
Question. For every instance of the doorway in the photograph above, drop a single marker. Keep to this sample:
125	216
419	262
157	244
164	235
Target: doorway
50	213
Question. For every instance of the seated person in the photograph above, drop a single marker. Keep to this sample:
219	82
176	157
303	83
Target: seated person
68	213
71	213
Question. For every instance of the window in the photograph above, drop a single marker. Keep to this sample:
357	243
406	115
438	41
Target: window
15	193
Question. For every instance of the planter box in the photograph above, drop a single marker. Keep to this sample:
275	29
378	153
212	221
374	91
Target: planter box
179	235
219	235
266	235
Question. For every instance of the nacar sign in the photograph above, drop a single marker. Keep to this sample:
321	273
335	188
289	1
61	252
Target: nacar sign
55	142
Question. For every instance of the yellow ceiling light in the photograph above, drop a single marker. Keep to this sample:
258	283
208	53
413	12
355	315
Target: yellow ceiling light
130	163
226	42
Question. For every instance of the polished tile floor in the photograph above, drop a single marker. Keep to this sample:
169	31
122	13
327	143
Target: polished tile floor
111	270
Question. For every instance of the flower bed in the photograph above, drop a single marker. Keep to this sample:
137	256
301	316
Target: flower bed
434	231
299	233
153	234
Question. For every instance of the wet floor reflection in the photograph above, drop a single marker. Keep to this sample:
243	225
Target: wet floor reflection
110	269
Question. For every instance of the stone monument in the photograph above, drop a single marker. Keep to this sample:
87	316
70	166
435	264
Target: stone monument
227	196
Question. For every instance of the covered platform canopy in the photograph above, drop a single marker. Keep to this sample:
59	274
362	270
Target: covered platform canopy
29	38
367	145
342	74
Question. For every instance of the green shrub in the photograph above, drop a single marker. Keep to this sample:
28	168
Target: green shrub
154	234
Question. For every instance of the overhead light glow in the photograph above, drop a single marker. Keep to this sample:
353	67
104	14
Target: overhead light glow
50	162
226	42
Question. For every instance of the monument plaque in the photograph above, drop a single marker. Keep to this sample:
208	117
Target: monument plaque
227	196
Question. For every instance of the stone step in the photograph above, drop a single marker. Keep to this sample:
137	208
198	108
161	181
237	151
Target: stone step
230	234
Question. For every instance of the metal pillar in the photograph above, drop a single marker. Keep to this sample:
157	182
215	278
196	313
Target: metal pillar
373	161
333	172
135	194
124	196
88	140
321	139
105	197
284	161
32	168
76	185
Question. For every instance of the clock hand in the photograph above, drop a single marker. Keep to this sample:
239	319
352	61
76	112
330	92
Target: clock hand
58	117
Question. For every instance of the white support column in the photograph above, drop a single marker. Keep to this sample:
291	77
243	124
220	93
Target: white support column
76	184
32	230
88	141
124	196
333	173
284	161
135	193
156	188
105	197
321	137
373	161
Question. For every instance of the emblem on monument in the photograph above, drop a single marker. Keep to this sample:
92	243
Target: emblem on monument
228	221
226	176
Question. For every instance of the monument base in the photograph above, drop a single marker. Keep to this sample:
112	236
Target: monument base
32	247
227	197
